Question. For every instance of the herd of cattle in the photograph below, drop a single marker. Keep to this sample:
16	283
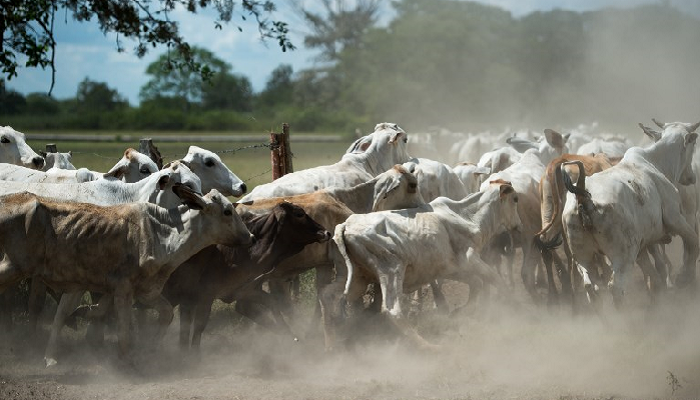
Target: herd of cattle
582	209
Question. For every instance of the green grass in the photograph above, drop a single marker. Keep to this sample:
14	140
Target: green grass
250	164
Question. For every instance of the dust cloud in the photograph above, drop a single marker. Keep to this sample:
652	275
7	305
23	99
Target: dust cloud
494	351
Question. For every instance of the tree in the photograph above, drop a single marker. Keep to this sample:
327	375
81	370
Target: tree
97	96
222	90
279	87
226	91
26	27
337	27
11	101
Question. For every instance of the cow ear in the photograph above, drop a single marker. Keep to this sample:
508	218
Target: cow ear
118	170
245	203
554	138
693	127
163	181
654	135
505	190
482	171
189	197
520	144
691	138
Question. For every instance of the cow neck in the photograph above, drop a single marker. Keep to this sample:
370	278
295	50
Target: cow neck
179	231
477	213
357	198
665	155
378	158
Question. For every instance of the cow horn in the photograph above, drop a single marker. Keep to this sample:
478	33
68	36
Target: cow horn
693	127
658	123
650	132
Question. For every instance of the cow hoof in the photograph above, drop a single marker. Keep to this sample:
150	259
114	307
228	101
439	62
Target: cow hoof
50	362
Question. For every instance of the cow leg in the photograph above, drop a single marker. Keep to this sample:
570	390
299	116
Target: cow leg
485	272
186	322
202	312
164	310
67	304
548	260
677	224
123	301
439	297
652	277
528	275
37	298
662	263
247	307
621	264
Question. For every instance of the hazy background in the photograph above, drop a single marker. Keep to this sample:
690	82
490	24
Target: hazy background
461	65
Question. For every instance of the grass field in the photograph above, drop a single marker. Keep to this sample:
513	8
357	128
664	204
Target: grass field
249	160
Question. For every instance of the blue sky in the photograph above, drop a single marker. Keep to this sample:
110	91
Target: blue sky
83	51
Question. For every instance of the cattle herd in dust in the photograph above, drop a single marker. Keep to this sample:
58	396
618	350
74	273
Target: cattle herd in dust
579	210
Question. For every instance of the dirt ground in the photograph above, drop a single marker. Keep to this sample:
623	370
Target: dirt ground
503	351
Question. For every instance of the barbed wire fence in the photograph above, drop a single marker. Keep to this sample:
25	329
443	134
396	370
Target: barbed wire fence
272	146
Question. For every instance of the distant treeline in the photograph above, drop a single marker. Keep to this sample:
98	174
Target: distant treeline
454	64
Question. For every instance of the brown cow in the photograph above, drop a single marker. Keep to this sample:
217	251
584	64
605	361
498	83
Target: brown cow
233	273
552	192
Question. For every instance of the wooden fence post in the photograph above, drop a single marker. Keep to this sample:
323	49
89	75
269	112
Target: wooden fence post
280	153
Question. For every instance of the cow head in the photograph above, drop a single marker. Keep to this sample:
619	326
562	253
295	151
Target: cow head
397	188
683	137
15	150
161	183
381	149
507	212
133	167
214	217
213	172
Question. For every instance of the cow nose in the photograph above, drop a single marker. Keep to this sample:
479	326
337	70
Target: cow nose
38	162
244	188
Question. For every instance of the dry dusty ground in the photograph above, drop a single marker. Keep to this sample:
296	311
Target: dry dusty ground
507	351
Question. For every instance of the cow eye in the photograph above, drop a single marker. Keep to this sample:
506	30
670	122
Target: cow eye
299	214
228	213
515	199
4	140
209	163
145	171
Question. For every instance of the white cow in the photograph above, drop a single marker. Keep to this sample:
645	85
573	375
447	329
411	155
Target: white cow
366	158
436	179
127	251
524	176
405	249
132	167
213	172
632	205
154	189
471	175
15	150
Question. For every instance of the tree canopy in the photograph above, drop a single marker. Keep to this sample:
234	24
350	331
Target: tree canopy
27	27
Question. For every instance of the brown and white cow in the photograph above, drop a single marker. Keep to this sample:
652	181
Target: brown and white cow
127	251
620	211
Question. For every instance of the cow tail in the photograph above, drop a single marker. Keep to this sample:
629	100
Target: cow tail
583	196
557	240
339	239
